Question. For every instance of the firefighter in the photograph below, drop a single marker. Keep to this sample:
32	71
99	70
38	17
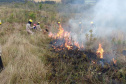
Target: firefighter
0	22
34	26
93	28
38	26
80	26
92	24
28	27
1	63
59	25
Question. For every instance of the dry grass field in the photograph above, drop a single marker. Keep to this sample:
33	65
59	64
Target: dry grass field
29	59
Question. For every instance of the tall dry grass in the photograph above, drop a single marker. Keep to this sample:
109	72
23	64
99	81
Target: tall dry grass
21	52
25	56
20	55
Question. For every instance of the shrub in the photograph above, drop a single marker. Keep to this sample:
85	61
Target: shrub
40	6
32	15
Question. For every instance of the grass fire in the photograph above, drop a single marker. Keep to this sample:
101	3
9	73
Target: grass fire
100	51
62	42
71	53
65	40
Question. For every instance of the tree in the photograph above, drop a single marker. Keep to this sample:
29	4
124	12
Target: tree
73	1
66	1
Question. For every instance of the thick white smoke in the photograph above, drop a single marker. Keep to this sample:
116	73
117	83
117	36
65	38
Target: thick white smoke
109	16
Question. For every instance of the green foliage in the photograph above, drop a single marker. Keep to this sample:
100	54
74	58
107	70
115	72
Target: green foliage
40	6
16	5
11	18
90	39
30	4
119	42
32	15
53	18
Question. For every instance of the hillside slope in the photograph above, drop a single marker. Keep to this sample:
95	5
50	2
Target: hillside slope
38	59
21	52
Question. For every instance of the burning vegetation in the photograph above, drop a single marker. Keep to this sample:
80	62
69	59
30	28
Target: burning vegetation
76	64
64	38
62	57
100	51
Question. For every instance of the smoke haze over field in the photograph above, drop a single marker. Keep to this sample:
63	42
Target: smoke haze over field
110	15
107	15
108	28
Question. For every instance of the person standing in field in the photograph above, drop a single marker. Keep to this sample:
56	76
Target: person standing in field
28	27
1	63
59	25
80	27
34	26
38	26
92	24
0	22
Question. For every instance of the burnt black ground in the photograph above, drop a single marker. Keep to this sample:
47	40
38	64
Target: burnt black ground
73	67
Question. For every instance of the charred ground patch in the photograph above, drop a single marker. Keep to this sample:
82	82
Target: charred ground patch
82	66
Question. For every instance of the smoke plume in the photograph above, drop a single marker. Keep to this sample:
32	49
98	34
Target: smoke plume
108	16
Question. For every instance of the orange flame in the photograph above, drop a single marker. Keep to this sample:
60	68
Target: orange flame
100	51
66	36
77	44
82	46
68	46
114	61
60	33
93	62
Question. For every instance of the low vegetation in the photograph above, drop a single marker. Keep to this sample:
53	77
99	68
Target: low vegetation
30	59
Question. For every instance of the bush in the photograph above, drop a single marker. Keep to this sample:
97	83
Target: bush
40	6
32	15
11	18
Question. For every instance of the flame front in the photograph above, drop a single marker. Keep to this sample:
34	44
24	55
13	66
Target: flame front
100	51
66	36
114	61
77	44
61	33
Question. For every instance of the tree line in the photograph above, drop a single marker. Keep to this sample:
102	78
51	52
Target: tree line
12	0
73	1
48	2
